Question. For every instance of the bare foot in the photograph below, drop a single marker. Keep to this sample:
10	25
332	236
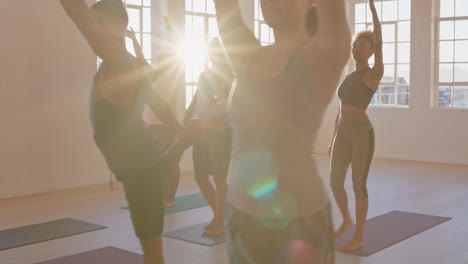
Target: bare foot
352	245
342	230
214	232
169	203
209	226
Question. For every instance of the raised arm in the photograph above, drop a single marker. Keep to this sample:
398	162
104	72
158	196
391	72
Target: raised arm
378	69
329	50
239	42
104	47
136	46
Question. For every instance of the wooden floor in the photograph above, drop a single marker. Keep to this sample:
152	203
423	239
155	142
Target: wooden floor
438	189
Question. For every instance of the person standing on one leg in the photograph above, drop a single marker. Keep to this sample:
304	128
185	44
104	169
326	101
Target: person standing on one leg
353	142
211	150
164	77
279	210
120	90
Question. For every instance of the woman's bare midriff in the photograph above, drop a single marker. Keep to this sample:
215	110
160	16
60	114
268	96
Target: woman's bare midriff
352	115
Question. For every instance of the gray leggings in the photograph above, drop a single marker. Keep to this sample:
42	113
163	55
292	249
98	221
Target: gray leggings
353	144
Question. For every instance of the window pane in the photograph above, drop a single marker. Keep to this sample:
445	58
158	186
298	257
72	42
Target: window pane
189	72
376	98
461	29
403	95
461	51
445	96
389	74
257	9
447	8
212	28
147	45
198	26
387	94
360	13
134	19
388	33
461	8
390	11
147	20
210	9
461	72
403	74
188	5
446	30
359	27
147	2
404	53
199	6
265	33
389	53
404	31
133	2
404	9
129	45
188	25
445	72
446	51
460	96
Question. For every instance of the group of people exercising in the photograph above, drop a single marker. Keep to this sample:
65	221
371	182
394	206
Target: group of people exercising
255	118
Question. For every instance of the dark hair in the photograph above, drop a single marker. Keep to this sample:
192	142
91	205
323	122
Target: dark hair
113	10
312	21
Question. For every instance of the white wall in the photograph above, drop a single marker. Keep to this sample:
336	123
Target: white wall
45	76
420	132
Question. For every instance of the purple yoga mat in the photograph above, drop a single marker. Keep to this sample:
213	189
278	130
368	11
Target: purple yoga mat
107	255
389	229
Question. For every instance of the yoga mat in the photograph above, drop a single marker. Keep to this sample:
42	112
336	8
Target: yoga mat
185	203
27	235
193	234
107	255
389	229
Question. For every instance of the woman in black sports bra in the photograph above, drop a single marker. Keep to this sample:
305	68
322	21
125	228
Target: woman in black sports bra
353	142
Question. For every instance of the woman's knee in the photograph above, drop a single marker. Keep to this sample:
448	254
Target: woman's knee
360	191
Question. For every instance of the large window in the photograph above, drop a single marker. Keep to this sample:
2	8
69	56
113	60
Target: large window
394	89
200	28
262	31
452	55
139	18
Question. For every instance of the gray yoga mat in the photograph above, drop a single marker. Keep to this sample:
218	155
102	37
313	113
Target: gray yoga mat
36	233
107	255
184	203
193	234
389	229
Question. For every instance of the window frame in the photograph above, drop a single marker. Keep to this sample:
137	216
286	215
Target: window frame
436	78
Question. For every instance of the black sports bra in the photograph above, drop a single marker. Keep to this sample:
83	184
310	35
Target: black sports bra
353	91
